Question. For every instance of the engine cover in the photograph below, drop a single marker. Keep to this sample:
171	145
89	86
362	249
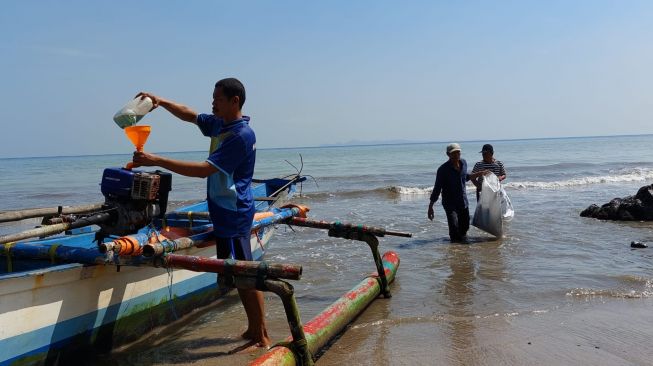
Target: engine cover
135	198
117	182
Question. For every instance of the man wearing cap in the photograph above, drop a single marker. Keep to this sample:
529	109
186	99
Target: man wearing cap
488	163
450	181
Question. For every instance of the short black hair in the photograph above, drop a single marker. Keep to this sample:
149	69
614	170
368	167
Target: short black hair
232	87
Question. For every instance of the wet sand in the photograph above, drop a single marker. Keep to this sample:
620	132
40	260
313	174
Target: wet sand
597	332
616	332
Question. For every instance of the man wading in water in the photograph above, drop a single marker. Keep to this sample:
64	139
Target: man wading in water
450	181
488	163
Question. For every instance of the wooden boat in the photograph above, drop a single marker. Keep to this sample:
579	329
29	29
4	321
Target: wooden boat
62	294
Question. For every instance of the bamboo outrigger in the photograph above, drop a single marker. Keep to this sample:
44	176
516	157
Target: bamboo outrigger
71	277
95	300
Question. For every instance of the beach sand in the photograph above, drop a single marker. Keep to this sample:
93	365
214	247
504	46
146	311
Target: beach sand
597	331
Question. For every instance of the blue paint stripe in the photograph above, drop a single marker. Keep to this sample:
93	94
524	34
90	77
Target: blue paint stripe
23	344
60	335
40	341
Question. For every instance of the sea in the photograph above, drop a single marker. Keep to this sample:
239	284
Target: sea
555	279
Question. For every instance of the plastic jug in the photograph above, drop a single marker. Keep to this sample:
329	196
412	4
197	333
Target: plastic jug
132	112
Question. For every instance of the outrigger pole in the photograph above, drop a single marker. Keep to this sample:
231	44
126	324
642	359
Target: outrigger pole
330	322
326	325
56	228
29	213
346	227
233	267
368	234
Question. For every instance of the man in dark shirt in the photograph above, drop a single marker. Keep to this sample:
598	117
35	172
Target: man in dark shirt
450	181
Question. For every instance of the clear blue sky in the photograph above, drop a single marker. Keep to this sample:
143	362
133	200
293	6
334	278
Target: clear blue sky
324	72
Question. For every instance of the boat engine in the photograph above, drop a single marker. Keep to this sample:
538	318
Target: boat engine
135	198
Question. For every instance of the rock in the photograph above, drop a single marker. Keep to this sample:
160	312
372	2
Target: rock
645	194
591	211
638	244
631	208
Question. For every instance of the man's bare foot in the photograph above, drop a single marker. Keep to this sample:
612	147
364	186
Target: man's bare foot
251	347
265	341
262	340
247	335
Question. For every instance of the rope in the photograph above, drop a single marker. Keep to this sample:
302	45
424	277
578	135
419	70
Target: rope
8	246
258	240
229	266
52	252
152	231
226	279
172	304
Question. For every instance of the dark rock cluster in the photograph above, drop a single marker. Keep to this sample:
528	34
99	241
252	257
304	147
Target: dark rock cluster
632	208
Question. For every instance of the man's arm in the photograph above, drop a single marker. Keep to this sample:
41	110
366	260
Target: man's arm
180	111
437	188
474	176
475	180
188	168
502	172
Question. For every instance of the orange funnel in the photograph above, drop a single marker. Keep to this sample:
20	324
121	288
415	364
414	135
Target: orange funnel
138	135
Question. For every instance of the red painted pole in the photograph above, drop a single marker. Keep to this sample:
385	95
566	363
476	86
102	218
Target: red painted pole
329	323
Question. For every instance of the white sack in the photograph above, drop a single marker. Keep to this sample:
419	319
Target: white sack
493	207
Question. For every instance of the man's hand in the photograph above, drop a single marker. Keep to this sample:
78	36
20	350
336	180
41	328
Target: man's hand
155	100
431	213
144	159
479	173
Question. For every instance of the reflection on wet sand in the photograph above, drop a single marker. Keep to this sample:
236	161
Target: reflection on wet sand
458	291
471	267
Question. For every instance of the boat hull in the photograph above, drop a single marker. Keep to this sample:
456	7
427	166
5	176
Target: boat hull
50	313
76	306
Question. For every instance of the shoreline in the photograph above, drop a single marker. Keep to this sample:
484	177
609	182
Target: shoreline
596	331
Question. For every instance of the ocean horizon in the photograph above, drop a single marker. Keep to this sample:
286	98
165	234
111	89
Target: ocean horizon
352	144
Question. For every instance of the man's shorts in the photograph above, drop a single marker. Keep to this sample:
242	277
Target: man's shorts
237	248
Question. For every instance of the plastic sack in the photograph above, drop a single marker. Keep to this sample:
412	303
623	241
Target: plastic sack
133	112
507	212
489	214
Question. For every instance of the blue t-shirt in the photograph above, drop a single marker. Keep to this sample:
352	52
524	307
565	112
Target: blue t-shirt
229	193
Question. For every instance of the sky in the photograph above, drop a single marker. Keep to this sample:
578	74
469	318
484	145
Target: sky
324	72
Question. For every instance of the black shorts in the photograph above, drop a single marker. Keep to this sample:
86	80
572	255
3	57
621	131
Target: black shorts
237	248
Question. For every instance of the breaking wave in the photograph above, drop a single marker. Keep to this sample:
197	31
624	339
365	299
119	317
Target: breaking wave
617	176
614	176
410	190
